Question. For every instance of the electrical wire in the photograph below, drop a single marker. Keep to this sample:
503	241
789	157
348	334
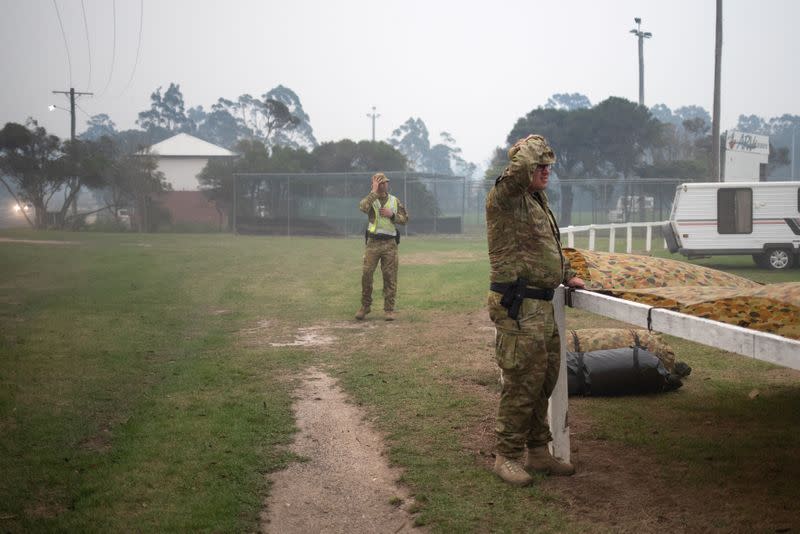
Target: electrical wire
88	45
138	46
113	49
66	46
82	110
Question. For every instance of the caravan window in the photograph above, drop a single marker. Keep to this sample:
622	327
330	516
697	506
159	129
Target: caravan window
735	211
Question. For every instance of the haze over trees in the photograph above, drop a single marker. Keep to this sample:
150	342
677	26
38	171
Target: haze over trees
39	169
618	139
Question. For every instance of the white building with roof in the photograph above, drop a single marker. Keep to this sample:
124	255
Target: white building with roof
182	157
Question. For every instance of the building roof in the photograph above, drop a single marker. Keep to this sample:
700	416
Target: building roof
184	144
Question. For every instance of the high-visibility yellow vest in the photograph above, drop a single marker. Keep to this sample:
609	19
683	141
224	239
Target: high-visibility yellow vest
383	225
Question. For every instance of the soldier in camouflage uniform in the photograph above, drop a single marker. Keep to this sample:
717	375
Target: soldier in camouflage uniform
384	211
527	263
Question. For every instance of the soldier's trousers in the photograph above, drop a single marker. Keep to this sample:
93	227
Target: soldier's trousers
385	252
528	354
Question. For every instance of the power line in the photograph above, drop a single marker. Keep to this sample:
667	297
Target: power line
66	46
82	110
88	45
113	49
138	46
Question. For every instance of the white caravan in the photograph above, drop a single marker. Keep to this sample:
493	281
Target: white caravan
761	219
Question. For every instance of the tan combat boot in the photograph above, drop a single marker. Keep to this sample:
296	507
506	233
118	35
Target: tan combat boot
360	314
539	459
511	471
389	315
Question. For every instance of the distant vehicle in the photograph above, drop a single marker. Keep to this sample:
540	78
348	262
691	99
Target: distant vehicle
124	216
629	205
761	219
19	209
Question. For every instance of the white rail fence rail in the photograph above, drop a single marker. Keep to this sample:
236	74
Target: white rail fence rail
592	229
750	343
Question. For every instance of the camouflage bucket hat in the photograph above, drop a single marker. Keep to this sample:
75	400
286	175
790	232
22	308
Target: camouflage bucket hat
533	150
381	177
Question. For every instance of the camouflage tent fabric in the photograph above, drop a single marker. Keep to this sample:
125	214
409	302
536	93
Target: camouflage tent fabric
592	339
693	290
609	270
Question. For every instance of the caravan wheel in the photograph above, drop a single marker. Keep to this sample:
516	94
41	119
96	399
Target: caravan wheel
779	259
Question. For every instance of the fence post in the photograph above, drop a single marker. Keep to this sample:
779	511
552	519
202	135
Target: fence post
591	237
570	239
405	198
557	411
463	203
436	209
648	241
234	204
288	207
629	244
612	238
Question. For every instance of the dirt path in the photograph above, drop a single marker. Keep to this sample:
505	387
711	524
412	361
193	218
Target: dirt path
346	485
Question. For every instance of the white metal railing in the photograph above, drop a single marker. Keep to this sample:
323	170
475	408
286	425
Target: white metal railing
752	343
570	231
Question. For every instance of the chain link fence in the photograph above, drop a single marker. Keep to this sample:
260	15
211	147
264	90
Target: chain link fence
327	203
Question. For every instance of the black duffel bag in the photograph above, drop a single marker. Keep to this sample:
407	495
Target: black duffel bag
624	371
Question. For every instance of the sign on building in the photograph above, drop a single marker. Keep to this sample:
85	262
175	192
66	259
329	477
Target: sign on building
746	156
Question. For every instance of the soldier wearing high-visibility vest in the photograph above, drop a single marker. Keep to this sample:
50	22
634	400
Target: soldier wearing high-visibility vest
384	212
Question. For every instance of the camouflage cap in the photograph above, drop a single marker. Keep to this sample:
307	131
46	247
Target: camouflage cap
380	177
533	150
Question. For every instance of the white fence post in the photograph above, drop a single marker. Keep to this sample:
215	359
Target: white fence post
558	411
629	239
648	241
591	237
612	238
570	239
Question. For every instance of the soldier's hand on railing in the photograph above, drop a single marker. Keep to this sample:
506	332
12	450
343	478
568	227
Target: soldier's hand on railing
576	282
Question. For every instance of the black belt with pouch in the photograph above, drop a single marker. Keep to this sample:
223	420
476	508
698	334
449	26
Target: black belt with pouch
515	292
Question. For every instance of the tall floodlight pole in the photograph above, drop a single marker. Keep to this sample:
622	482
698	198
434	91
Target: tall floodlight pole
373	116
715	149
637	31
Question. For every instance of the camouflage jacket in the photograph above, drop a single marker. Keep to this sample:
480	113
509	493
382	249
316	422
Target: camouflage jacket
524	240
401	217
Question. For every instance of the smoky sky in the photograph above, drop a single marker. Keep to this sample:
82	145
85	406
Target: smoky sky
468	68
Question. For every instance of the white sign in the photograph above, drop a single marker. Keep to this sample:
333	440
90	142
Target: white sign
746	142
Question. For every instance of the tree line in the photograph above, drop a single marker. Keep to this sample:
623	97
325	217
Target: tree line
618	139
270	133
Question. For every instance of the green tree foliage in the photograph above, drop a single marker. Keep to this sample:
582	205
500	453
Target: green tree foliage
413	140
133	180
167	111
98	126
568	102
607	140
30	167
301	135
364	156
36	165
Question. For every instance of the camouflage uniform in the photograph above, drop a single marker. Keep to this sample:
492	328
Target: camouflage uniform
383	250
524	242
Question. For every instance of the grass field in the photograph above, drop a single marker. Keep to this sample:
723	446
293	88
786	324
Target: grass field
139	390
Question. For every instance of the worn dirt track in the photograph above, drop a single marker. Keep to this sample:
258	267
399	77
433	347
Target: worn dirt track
346	485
